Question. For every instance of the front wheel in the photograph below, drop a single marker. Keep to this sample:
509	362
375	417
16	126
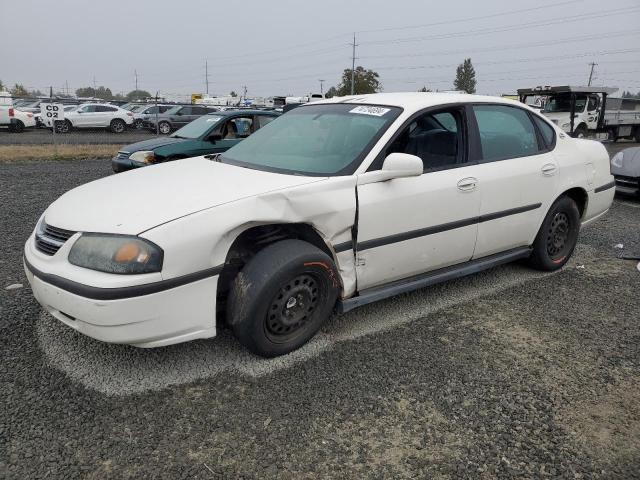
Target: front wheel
580	132
63	127
281	297
118	126
557	236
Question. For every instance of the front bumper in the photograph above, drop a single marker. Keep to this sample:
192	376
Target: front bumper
627	185
121	163
173	315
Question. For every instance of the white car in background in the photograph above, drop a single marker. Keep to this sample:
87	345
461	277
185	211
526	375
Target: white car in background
96	115
334	205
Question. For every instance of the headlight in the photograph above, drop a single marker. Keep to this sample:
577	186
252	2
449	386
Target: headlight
566	125
143	157
616	161
116	254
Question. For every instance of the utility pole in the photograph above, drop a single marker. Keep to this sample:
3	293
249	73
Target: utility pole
135	72
66	84
206	74
245	94
94	84
591	72
353	66
321	89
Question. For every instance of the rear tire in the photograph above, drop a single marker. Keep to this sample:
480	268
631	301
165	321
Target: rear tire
580	132
138	124
281	297
164	128
117	126
636	135
557	236
17	126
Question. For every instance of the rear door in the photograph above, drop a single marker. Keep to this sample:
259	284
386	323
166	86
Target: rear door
87	116
181	117
517	176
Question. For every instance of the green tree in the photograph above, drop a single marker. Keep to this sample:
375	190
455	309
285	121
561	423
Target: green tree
233	94
465	77
138	95
366	81
425	89
19	91
85	92
332	92
1	86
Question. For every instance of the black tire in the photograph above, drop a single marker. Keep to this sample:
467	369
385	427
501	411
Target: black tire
580	132
17	126
138	124
117	126
636	135
63	127
164	128
557	236
281	297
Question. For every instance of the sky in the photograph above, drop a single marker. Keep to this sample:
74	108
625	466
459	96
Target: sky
285	47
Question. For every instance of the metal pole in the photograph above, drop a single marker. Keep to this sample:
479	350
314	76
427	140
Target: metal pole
206	74
591	72
157	124
135	72
321	89
353	66
53	125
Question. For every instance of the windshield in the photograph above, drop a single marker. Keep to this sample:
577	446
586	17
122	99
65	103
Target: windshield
198	127
562	103
329	139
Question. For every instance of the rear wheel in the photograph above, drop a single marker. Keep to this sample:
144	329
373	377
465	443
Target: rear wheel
281	297
117	126
557	236
165	128
17	126
138	124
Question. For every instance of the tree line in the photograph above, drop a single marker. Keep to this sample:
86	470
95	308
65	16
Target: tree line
101	92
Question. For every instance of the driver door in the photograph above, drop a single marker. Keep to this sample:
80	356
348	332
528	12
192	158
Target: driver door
408	226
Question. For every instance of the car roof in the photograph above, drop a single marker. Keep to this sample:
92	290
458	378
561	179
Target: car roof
416	100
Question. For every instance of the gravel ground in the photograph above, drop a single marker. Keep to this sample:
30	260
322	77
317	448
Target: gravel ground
509	373
43	136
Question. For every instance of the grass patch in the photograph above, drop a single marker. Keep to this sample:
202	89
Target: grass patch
17	153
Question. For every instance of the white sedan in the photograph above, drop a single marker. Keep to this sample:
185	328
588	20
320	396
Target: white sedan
336	204
96	115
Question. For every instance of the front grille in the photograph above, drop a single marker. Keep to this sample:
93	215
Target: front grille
49	239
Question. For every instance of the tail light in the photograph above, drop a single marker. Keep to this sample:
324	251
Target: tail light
11	112
29	115
130	114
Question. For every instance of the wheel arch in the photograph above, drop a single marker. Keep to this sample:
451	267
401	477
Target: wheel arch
578	195
253	239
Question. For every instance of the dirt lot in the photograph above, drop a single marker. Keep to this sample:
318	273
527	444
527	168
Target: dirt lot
508	373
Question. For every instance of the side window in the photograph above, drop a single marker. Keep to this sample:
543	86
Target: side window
240	127
88	109
593	104
264	119
548	134
104	108
200	110
505	132
434	137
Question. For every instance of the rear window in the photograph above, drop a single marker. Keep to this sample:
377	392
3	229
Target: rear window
546	130
505	132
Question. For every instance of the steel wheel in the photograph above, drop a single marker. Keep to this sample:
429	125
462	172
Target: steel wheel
139	124
558	237
117	126
292	307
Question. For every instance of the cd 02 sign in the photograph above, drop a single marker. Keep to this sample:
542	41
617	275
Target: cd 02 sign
52	111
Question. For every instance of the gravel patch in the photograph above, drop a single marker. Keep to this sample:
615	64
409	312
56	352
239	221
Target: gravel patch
501	375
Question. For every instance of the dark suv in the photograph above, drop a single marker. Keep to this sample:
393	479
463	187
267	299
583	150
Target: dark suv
177	117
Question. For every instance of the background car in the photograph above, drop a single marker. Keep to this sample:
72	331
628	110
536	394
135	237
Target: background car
178	116
212	133
625	167
144	113
96	115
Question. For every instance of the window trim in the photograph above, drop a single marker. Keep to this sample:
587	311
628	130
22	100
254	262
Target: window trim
476	132
461	107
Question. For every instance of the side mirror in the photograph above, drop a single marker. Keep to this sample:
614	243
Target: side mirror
215	137
396	165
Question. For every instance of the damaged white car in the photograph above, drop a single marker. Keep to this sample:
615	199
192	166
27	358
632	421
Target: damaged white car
334	205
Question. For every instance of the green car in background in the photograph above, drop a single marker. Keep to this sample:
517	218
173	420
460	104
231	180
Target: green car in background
212	133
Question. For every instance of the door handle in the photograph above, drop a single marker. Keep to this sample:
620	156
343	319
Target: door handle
467	184
549	169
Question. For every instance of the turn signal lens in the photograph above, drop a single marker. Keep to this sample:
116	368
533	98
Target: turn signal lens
127	253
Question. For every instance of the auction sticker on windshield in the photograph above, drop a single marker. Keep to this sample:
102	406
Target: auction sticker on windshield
376	111
213	119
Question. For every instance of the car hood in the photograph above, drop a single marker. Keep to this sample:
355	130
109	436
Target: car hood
138	200
152	144
626	163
